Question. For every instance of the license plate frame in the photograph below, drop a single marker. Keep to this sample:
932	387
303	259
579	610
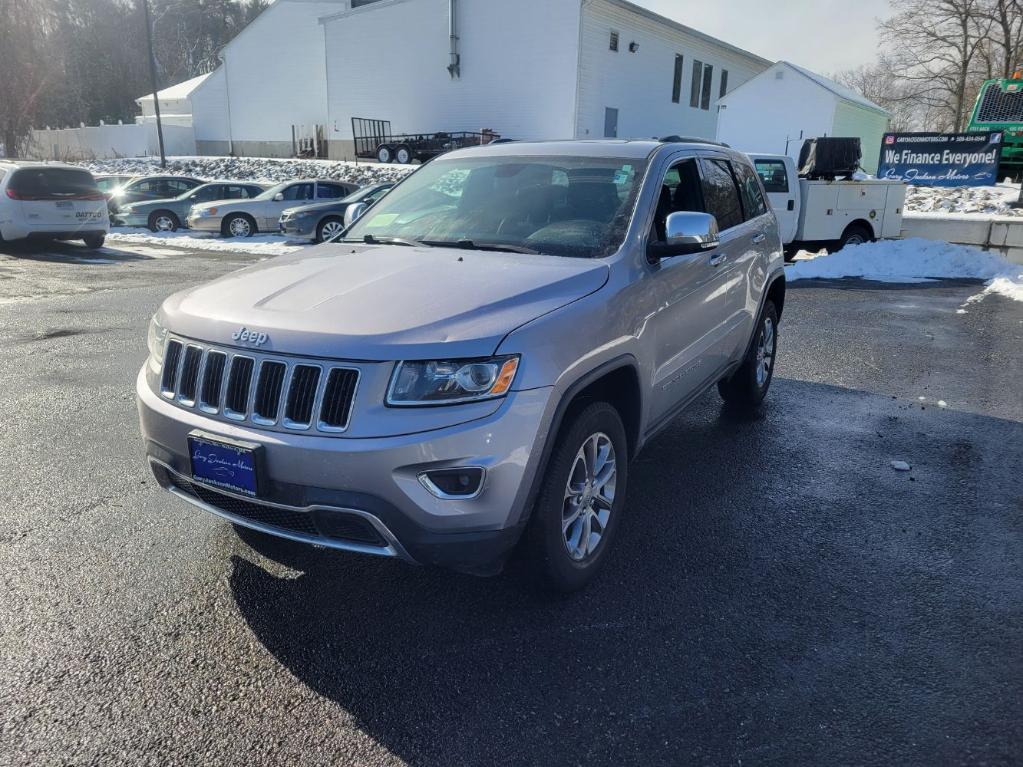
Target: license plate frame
227	464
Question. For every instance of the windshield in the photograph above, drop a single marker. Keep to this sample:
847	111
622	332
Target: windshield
562	206
270	193
367	191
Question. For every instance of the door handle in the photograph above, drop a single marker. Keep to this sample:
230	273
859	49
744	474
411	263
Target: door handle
717	260
792	204
759	238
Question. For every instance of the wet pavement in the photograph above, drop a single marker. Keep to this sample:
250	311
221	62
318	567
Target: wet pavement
779	593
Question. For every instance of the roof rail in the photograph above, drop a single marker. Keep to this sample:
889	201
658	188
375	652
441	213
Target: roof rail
690	140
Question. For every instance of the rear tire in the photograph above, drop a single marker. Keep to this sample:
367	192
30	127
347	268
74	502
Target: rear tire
385	154
855	234
403	155
163	221
239	225
581	500
94	241
329	227
748	386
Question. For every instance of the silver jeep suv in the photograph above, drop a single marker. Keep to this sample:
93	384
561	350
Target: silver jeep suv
471	368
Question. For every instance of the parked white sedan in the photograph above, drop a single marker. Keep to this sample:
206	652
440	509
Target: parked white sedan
244	218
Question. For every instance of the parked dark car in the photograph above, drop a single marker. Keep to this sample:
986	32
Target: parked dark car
170	215
324	220
109	182
151	188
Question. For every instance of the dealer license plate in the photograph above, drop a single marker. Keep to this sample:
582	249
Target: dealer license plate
227	465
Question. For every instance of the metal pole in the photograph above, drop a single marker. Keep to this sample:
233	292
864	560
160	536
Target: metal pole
152	77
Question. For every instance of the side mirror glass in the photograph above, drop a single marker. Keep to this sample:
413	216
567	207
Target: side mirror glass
279	197
354	211
686	232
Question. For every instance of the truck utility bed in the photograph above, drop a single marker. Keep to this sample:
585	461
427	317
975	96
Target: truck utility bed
830	206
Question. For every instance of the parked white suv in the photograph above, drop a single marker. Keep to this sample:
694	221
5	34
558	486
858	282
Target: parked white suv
51	201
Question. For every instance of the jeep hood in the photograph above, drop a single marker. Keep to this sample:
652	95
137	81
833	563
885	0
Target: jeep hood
382	302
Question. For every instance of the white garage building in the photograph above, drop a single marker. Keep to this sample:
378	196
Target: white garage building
269	96
774	111
528	69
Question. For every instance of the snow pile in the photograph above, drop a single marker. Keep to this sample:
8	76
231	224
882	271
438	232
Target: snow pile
260	245
990	200
261	169
915	260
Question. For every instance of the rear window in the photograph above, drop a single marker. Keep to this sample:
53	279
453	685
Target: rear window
53	184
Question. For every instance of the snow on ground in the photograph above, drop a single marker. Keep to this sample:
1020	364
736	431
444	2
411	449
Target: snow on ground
991	200
915	260
253	169
260	245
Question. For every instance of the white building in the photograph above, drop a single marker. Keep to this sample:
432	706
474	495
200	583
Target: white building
774	111
269	96
528	69
175	103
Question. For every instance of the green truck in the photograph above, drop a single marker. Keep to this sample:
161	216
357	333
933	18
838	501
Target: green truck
999	107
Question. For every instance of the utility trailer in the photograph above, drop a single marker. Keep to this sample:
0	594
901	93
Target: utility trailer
374	140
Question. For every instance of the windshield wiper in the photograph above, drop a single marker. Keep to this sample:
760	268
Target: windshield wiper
369	239
497	247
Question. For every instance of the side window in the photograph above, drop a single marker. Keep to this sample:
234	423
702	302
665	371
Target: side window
749	185
149	186
772	173
680	191
208	194
329	191
176	188
720	193
299	192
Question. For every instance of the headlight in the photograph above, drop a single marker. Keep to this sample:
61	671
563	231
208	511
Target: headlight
157	342
447	382
205	212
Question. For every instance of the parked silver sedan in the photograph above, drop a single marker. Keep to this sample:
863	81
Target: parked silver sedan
244	218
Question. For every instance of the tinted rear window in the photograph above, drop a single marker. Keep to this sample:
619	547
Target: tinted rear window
53	183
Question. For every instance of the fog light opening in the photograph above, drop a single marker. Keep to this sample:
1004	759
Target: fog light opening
461	483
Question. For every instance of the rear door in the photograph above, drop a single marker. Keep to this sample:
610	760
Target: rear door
782	194
58	199
294	195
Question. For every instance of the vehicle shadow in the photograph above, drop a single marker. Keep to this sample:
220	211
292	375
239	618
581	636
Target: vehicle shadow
777	594
68	253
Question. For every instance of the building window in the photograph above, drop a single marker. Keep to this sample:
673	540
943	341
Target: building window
724	84
676	88
610	122
614	41
694	94
703	75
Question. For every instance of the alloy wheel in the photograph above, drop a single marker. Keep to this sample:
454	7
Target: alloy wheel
164	224
589	496
766	347
331	229
239	227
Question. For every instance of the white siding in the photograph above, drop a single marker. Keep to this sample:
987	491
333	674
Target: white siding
276	78
209	108
760	116
868	125
640	84
388	61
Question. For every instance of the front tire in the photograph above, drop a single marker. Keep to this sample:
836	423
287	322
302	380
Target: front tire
331	226
581	500
748	386
94	241
239	225
385	154
163	221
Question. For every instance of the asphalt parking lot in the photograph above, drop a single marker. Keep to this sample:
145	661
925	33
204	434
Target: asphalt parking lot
779	595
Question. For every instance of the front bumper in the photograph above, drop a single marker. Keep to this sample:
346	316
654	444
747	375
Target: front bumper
317	489
130	219
305	228
204	223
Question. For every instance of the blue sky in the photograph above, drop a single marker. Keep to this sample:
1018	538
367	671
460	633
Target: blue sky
823	35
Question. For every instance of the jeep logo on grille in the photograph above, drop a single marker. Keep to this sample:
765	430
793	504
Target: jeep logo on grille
250	337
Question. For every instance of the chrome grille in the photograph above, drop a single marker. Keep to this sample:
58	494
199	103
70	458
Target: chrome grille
263	390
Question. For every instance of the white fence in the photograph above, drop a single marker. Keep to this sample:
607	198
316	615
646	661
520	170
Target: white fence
103	142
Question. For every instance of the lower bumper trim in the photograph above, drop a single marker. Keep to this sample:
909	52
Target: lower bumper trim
336	528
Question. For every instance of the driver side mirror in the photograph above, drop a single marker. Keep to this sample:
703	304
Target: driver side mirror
354	211
686	232
279	197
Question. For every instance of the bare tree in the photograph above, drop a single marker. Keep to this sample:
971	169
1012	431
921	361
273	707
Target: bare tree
879	83
23	70
933	47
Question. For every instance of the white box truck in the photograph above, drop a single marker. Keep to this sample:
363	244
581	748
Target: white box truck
829	214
